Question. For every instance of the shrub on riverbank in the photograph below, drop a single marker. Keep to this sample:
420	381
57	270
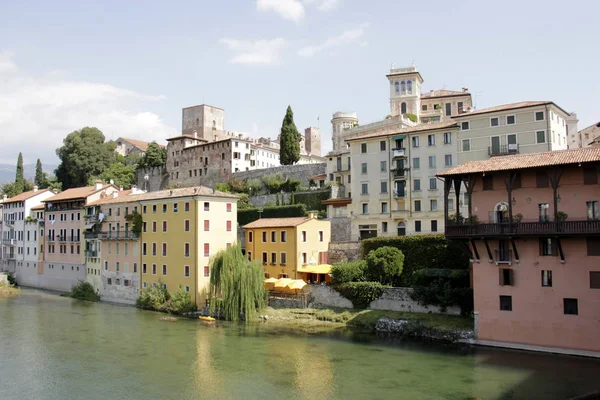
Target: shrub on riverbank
180	302
8	290
361	294
384	265
155	298
350	271
83	291
443	288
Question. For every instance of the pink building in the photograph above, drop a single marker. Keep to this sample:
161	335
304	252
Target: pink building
535	240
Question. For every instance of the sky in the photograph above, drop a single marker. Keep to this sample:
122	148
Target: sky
129	67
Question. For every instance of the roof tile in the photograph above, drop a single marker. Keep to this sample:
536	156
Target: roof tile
201	191
276	222
25	195
412	129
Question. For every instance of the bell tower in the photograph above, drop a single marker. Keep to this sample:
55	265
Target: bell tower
405	91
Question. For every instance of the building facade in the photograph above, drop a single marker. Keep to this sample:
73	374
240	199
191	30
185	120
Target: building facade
535	240
590	135
285	245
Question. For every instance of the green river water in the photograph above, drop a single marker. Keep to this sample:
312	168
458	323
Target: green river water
58	348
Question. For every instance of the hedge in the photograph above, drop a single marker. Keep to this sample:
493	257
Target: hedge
458	278
251	214
443	288
312	200
350	271
361	294
423	251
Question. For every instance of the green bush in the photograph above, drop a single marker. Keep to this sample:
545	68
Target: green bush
350	271
152	298
430	251
384	265
361	294
180	302
273	182
457	277
83	291
290	211
255	186
412	117
312	200
12	280
443	288
223	187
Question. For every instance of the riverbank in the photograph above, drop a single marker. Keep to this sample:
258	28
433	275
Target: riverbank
7	291
433	326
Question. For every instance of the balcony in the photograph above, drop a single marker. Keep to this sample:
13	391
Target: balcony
9	242
400	194
91	235
564	228
118	235
91	253
60	238
503	150
399	173
397	153
91	219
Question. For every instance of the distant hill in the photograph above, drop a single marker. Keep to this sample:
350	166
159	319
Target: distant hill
8	171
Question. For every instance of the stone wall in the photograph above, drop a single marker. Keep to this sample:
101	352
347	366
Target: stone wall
158	179
343	251
268	199
4	278
302	172
398	299
325	296
282	302
340	229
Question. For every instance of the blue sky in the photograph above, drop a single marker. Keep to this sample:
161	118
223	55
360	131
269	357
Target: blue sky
128	67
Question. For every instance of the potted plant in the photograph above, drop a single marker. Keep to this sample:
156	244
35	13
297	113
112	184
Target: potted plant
517	218
561	216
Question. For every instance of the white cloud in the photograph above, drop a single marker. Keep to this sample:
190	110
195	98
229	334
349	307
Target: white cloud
352	36
36	113
292	10
259	52
324	5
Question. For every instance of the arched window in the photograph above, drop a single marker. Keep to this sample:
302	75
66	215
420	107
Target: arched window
409	86
403	108
397	85
501	212
401	229
403	87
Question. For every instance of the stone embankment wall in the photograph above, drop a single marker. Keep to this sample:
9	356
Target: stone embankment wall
392	299
302	172
343	251
158	179
340	229
3	279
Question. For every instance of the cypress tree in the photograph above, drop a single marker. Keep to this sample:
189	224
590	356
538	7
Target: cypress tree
40	179
289	140
20	178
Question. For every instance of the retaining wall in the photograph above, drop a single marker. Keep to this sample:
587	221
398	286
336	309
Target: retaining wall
343	251
300	172
340	229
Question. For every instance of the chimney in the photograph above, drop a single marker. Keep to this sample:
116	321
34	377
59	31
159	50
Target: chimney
120	188
115	194
312	214
112	182
4	197
35	188
98	185
465	90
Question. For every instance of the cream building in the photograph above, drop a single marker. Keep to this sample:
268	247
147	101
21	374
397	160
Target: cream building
590	135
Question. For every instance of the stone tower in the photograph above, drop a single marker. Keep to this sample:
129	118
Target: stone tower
204	122
405	91
312	137
339	123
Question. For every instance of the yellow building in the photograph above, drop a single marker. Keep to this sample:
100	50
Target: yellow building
182	229
285	245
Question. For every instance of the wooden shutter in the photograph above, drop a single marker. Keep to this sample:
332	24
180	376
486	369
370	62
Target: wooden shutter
590	176
541	178
593	246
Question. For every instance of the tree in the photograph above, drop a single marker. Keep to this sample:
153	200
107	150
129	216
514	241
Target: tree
84	154
41	180
121	174
384	265
20	178
289	140
155	156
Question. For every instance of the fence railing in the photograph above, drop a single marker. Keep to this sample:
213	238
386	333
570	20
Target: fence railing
565	228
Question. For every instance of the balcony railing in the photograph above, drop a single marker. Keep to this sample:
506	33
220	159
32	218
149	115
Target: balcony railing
398	153
118	235
564	228
91	253
51	238
91	219
9	242
91	235
399	172
60	238
503	150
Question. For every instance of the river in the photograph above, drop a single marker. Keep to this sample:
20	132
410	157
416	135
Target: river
57	348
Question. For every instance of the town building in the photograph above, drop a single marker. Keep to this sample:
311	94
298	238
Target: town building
18	251
182	229
127	146
64	256
2	200
533	223
590	135
29	270
288	247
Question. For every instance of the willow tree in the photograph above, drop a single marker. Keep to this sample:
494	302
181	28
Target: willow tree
236	285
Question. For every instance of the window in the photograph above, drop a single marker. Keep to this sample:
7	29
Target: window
409	86
433	206
546	278
187	206
417	226
415	141
164	269
186	225
382	145
547	247
494	121
447	137
384	187
283	258
206	225
175	207
273	258
541	179
592	210
304	259
364	188
384	208
206	249
488	182
154	226
264	237
539	115
363	148
365	208
206	271
590	176
571	306
416	163
228	226
186	249
432	162
431	140
510	120
544	212
153	269
164	226
273	236
154	249
143	248
464	125
424	107
304	236
264	257
432	184
363	168
506	277
448	109
466	145
450	205
164	208
164	249
383	166
416	185
593	246
448	160
540	136
505	303
434	225
417	205
594	279
206	206
397	87
250	237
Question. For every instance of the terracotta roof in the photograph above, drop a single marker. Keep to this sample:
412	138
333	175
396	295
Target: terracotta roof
444	93
25	195
412	129
76	193
140	144
317	177
201	191
186	137
523	161
38	208
507	107
276	222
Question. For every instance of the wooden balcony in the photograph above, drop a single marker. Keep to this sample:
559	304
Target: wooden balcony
564	228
